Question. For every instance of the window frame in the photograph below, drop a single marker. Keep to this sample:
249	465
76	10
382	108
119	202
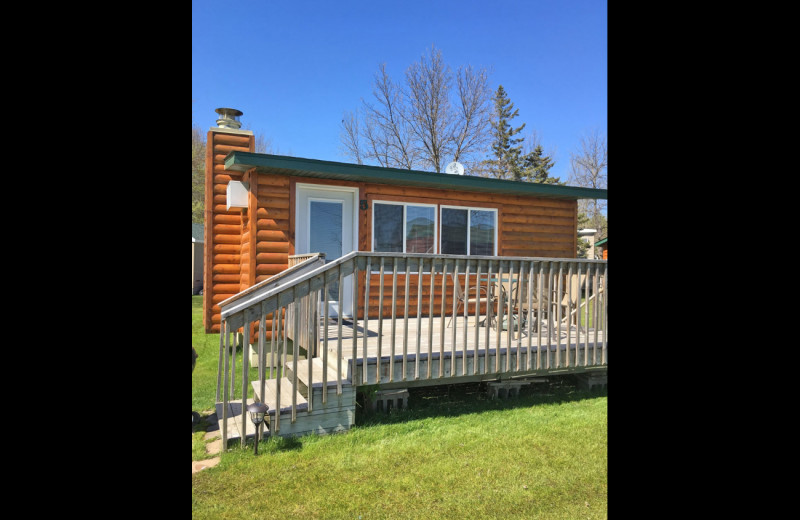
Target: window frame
469	220
405	222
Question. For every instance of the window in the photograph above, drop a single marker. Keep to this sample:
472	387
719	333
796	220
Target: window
403	228
468	231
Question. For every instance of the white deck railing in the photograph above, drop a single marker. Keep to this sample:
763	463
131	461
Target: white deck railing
558	309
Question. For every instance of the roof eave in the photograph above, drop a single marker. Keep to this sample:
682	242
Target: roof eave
284	165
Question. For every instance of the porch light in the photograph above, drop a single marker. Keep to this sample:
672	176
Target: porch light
257	413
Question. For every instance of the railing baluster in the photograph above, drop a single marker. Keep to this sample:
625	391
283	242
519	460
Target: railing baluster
355	325
223	329
325	339
529	312
430	322
454	318
539	295
520	287
380	327
233	364
579	291
586	316
295	355
419	316
442	318
489	317
476	350
510	318
281	373
367	275
309	348
394	316
220	362
273	344
500	291
595	309
405	321
569	311
245	378
262	356
559	299
466	319
605	311
339	334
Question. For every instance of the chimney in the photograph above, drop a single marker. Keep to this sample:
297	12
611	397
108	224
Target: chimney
229	118
225	236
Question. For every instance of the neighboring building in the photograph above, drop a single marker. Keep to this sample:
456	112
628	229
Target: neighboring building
288	205
197	258
603	244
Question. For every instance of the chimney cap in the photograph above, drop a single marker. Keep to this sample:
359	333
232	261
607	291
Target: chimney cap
229	118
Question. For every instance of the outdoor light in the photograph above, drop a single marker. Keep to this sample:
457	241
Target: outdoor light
257	413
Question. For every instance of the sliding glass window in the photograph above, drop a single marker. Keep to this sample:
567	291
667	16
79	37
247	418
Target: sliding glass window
468	231
403	227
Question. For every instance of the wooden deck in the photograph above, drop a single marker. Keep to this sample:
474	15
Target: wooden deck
418	352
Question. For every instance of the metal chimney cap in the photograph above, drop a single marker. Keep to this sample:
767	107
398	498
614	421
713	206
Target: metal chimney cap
229	118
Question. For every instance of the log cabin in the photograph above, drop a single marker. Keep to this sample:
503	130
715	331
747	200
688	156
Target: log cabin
385	244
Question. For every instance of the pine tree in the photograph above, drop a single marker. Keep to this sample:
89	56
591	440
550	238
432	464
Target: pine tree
536	167
507	149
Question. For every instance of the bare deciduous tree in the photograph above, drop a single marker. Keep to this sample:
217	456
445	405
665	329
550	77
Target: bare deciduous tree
418	125
589	165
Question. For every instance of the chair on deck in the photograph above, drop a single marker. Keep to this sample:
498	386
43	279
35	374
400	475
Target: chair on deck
462	298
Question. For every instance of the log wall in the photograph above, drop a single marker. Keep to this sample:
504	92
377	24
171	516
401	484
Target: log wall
251	248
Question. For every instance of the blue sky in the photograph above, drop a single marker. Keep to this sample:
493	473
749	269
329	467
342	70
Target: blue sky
294	67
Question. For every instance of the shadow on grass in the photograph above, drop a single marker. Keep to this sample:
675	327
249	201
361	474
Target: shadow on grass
469	398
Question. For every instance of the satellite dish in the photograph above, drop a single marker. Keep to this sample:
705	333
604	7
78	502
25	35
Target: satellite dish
454	168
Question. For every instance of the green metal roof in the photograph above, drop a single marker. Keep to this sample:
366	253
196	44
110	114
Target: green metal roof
284	165
601	242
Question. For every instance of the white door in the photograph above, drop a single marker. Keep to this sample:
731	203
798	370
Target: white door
325	222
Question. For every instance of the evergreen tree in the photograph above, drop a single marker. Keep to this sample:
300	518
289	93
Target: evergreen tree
507	149
536	167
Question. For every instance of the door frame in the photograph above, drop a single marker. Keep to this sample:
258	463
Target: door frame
302	214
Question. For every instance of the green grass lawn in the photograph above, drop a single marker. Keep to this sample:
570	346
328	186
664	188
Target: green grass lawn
452	454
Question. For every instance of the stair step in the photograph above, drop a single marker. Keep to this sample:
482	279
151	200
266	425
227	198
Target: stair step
270	399
316	373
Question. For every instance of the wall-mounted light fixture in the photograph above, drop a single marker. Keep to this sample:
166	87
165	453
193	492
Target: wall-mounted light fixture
237	194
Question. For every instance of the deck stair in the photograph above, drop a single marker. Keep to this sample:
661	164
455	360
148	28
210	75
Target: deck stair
336	414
